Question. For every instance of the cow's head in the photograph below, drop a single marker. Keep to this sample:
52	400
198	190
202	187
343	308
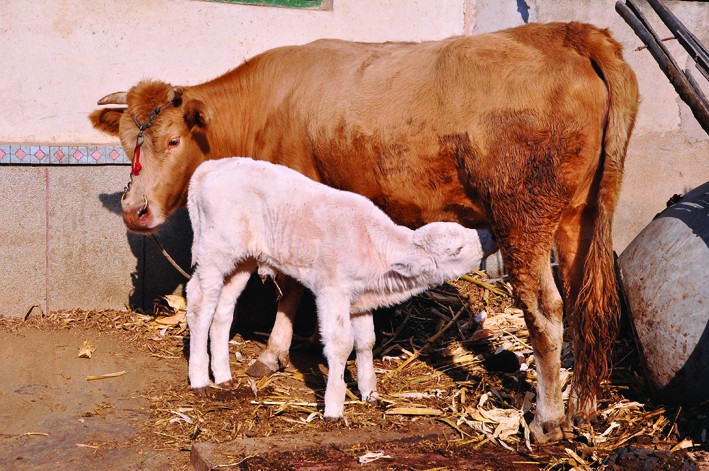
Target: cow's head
173	143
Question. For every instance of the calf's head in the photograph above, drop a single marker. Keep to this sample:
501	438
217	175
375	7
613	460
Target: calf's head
172	144
446	250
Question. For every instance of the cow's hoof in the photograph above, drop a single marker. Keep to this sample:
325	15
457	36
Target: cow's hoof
580	419
332	419
578	424
259	370
547	432
283	361
200	391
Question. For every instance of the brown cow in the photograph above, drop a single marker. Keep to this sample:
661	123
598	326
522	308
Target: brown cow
523	130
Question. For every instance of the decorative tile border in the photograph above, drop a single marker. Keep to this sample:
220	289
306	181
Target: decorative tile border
27	154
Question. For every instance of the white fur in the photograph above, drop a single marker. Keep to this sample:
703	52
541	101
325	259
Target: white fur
252	215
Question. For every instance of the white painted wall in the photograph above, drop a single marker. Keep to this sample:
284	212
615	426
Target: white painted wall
59	56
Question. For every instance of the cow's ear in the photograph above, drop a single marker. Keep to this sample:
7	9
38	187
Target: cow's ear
196	114
410	266
107	120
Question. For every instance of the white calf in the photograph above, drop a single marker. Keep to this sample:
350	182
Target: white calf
251	215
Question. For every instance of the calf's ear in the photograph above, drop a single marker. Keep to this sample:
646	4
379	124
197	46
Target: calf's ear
107	120
410	266
196	114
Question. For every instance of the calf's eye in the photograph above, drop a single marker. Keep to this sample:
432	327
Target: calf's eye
174	142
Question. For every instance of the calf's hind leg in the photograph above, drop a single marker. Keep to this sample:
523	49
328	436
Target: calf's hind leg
364	338
337	338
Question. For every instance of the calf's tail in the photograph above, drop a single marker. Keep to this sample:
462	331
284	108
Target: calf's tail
194	209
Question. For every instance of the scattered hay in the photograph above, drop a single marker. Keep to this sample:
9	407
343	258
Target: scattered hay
458	354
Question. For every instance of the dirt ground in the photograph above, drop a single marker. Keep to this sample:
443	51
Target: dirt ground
129	405
55	419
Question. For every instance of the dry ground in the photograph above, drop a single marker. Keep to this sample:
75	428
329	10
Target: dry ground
458	381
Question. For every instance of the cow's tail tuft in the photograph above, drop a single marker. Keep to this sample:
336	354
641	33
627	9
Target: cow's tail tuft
595	315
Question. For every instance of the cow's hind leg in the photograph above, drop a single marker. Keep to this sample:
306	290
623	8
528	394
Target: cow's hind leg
593	320
543	307
275	356
545	323
524	228
221	324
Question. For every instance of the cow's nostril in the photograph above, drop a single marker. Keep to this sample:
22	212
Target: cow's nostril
144	209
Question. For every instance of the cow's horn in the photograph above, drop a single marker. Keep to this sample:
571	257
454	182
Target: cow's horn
175	93
115	98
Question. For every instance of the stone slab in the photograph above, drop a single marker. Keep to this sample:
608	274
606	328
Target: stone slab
214	456
92	258
22	239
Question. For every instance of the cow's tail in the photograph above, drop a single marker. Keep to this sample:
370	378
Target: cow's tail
595	315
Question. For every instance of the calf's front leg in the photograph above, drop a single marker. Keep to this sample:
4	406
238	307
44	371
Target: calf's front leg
221	324
203	292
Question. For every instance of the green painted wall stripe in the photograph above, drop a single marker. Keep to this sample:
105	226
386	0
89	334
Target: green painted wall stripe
279	3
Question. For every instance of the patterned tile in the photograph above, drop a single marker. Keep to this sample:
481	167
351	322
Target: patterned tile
4	153
17	155
37	154
40	154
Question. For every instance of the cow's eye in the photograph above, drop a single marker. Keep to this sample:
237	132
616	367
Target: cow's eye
174	142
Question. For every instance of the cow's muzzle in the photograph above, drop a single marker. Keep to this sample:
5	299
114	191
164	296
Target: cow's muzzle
137	215
139	218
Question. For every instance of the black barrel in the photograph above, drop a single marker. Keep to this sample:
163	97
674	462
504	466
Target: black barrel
665	277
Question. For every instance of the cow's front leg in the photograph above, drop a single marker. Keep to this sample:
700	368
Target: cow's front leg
276	354
203	292
221	324
364	338
337	337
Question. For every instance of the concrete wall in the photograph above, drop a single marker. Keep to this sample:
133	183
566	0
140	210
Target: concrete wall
63	243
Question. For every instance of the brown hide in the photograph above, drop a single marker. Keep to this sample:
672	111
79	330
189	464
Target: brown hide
390	121
524	130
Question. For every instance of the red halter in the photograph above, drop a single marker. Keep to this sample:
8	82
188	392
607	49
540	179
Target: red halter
135	167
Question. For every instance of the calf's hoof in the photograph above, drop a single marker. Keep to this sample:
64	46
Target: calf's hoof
547	432
331	419
201	391
226	384
372	398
